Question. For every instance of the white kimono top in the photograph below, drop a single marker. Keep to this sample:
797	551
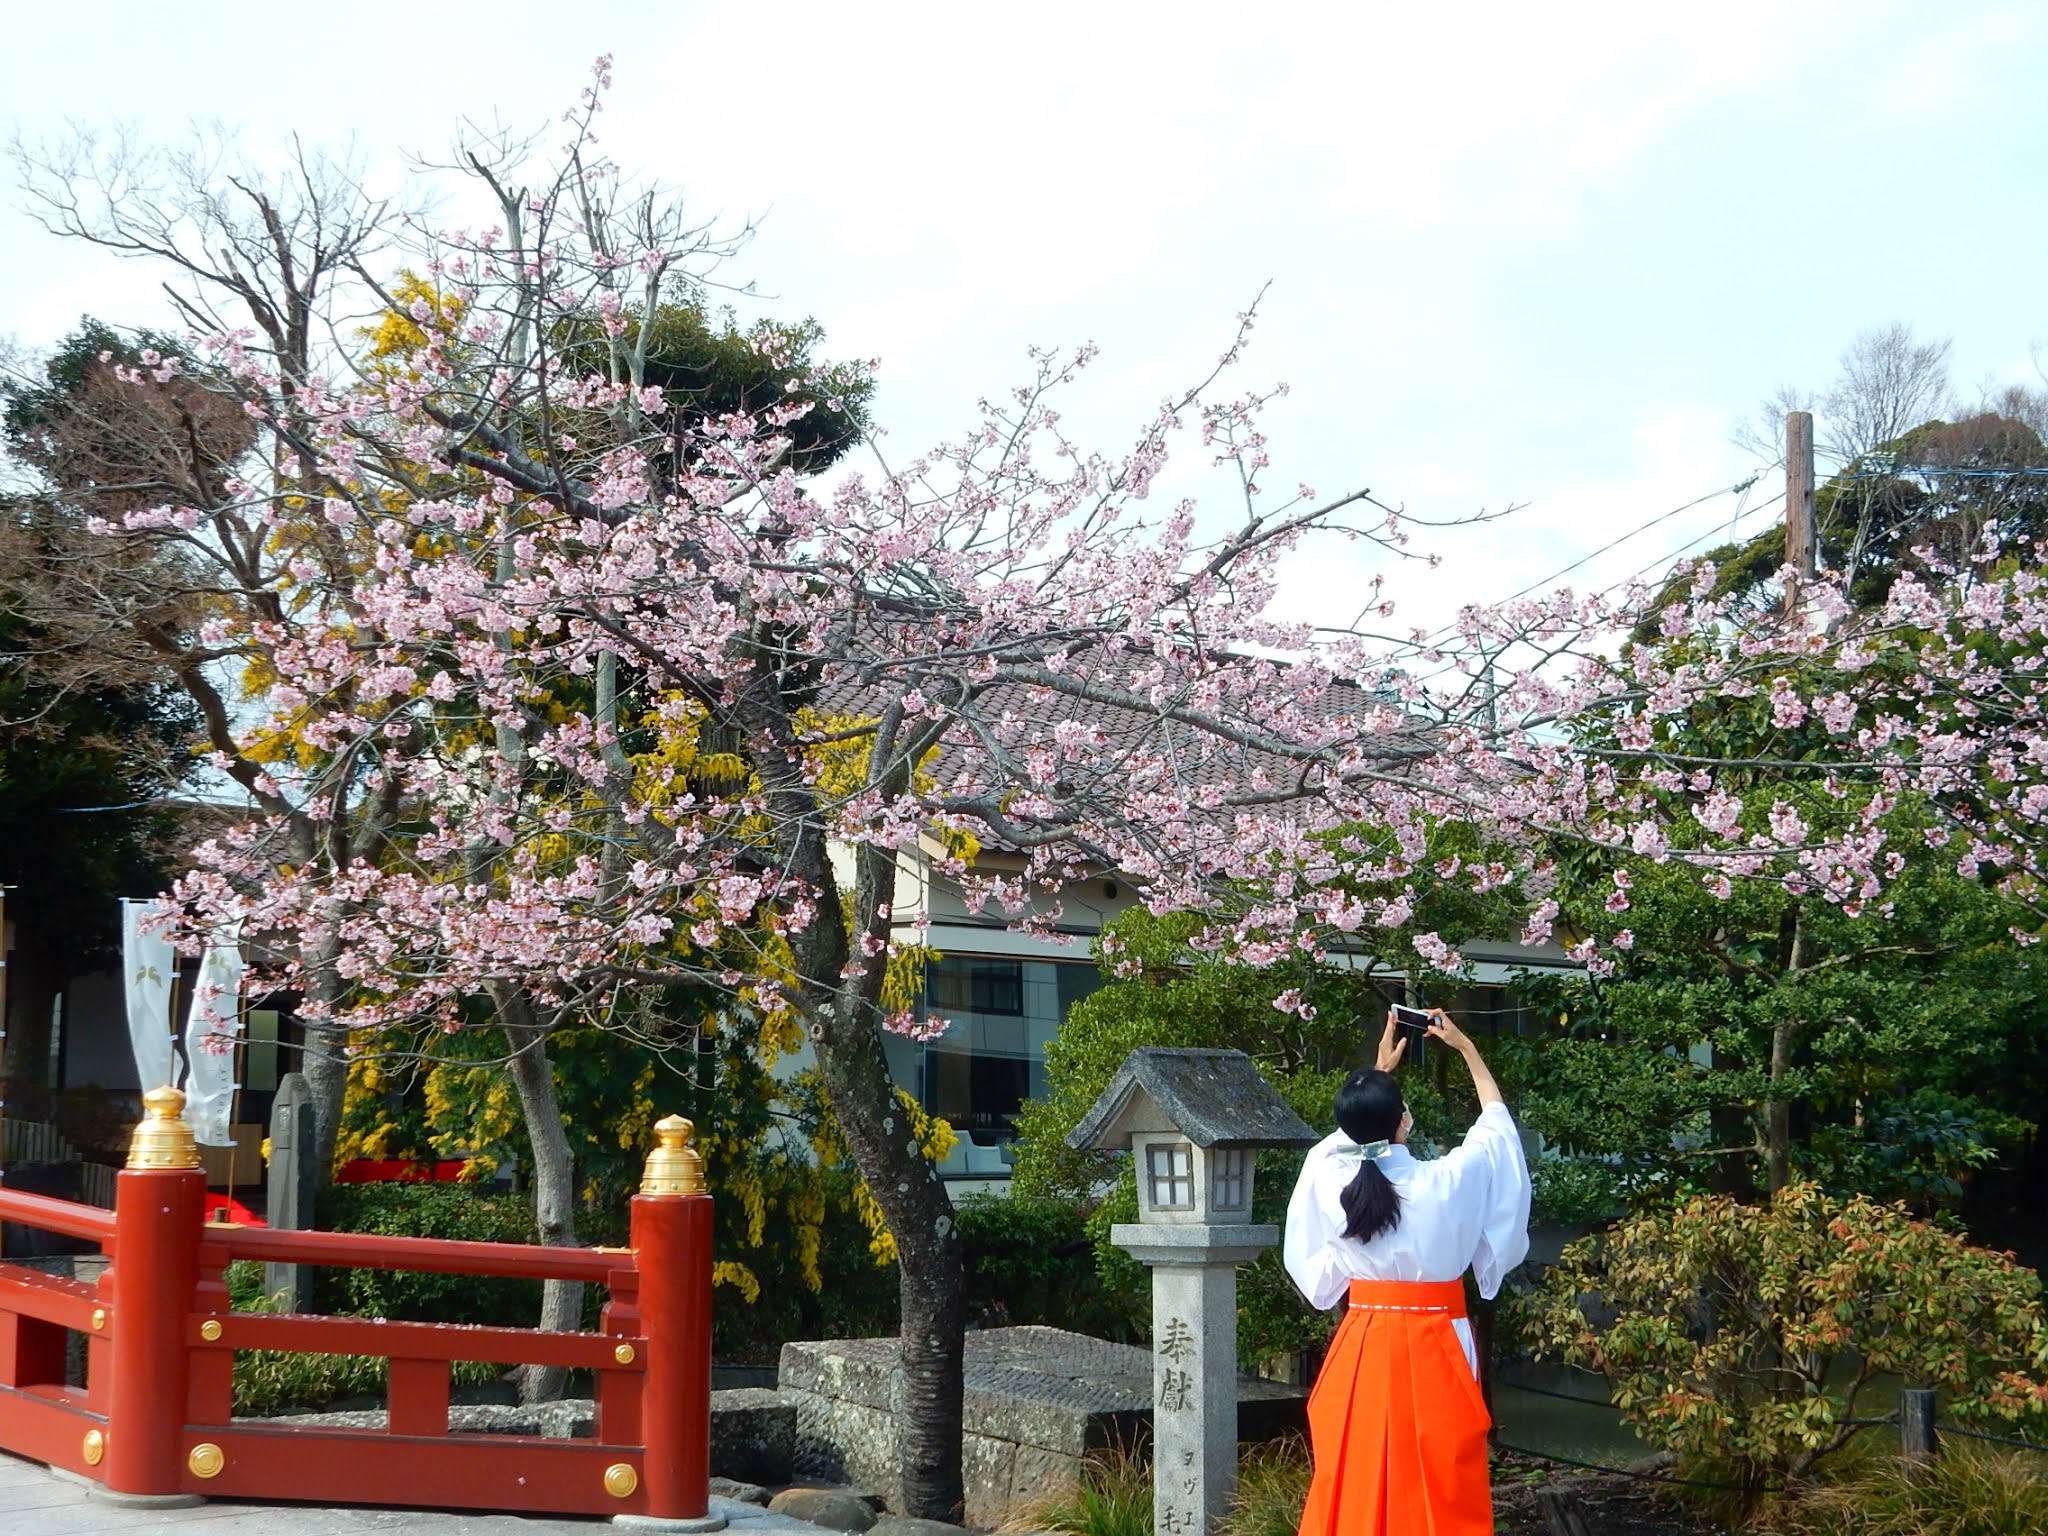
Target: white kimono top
1468	1209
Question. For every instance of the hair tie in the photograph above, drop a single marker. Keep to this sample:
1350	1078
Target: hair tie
1372	1149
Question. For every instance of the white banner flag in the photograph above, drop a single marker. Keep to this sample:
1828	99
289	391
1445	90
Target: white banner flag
212	1030
149	963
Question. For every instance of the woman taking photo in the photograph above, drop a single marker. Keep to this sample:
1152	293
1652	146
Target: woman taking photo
1396	1421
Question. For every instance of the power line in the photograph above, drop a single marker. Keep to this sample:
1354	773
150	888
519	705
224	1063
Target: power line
1762	506
1740	487
1727	490
1930	471
1661	560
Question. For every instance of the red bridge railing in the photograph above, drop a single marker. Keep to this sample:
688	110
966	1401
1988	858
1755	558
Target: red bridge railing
156	1417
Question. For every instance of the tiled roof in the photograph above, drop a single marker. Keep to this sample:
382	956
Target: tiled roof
1214	1098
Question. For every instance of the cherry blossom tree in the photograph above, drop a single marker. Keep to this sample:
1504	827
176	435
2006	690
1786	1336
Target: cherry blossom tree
566	694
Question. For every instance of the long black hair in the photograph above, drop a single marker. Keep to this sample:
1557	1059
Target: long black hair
1369	1108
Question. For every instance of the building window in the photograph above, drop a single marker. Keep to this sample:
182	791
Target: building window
975	986
977	1091
1232	1167
1000	1013
1170	1168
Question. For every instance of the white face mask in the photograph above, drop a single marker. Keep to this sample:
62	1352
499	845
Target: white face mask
1407	1125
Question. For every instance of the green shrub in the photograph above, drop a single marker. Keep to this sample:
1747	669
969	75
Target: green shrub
1740	1336
273	1381
245	1287
1030	1259
462	1211
1576	1191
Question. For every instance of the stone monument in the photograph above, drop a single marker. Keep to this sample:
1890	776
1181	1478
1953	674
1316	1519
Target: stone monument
291	1186
1192	1119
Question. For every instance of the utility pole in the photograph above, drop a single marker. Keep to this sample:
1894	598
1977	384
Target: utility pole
1802	541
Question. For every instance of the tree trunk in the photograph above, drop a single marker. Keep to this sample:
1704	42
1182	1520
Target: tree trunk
1778	1108
1778	1116
33	983
554	1181
841	1003
324	1064
930	1276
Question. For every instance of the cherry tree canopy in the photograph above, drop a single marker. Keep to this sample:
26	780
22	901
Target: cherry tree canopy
559	690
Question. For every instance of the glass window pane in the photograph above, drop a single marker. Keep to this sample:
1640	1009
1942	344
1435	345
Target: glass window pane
973	984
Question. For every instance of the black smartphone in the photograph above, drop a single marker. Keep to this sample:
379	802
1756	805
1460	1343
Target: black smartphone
1414	1026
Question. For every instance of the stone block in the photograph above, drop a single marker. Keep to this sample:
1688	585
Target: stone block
988	1469
753	1435
845	1442
1039	1476
1037	1402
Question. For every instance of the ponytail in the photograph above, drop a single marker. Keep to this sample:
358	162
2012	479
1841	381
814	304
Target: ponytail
1371	1204
1369	1111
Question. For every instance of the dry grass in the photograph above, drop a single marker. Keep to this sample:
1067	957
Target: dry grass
1115	1496
1114	1499
1967	1491
1272	1482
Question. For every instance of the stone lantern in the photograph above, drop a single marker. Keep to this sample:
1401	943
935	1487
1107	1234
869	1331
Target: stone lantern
1193	1121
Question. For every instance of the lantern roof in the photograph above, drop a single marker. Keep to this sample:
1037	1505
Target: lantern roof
1214	1098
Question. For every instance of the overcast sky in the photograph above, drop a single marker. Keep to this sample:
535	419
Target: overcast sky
1519	255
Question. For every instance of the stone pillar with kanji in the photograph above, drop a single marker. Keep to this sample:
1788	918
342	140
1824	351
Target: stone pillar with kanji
1192	1120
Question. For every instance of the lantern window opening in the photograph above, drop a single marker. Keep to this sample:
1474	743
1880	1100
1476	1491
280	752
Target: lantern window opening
1170	1168
1232	1183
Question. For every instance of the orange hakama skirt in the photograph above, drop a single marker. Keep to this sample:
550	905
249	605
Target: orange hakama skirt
1396	1420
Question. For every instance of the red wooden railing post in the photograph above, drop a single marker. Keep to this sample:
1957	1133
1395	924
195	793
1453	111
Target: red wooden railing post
672	1251
159	1203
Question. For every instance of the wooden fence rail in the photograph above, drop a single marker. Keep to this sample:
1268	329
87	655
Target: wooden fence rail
155	1415
34	1141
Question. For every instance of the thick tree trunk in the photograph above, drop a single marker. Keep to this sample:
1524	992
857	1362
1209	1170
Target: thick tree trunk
841	1003
324	1063
554	1183
33	983
930	1276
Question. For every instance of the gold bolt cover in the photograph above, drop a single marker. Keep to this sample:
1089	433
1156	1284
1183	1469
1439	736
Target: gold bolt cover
99	1318
623	1354
620	1480
95	1447
206	1459
210	1329
674	1167
163	1140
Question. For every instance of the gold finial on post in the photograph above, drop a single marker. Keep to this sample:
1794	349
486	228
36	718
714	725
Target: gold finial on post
163	1140
674	1167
